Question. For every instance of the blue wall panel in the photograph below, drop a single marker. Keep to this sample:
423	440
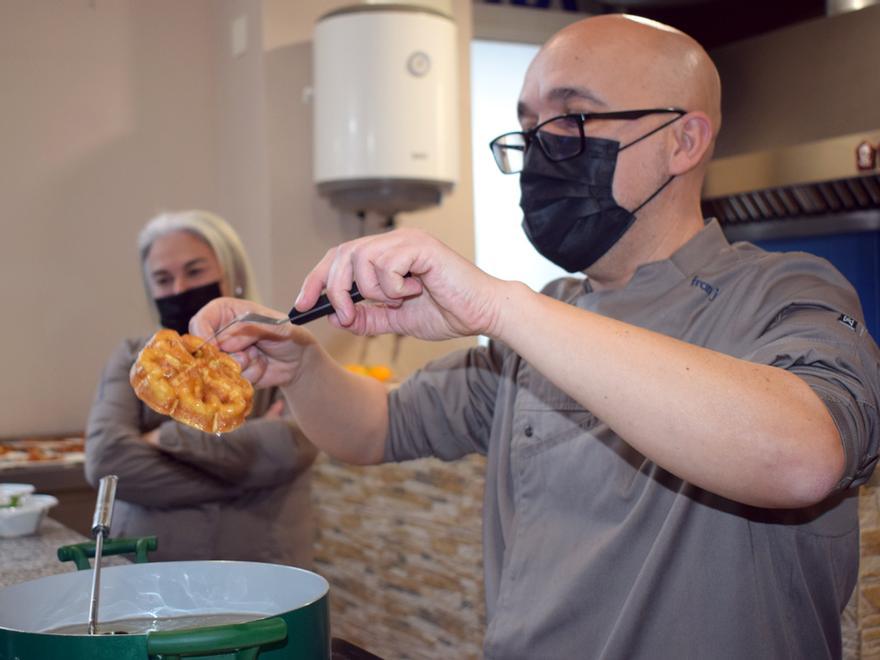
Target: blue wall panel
855	255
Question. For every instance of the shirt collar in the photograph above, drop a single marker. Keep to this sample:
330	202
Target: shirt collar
699	251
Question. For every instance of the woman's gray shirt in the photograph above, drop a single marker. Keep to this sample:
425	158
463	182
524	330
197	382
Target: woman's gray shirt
593	551
243	495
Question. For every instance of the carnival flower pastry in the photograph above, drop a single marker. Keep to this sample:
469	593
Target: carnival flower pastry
192	382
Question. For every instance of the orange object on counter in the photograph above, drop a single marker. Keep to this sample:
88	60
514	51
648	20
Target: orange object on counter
357	369
380	372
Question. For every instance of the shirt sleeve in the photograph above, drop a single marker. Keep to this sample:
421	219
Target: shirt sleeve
832	351
445	410
114	445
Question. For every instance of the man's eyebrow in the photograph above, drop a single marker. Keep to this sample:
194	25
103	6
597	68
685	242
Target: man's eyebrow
522	110
568	93
564	94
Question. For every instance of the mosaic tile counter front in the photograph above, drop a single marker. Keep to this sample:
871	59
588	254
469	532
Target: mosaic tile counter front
401	547
865	606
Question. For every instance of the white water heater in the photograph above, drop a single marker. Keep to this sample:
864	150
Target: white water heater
385	106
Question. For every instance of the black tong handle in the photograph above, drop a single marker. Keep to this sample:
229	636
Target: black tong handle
322	308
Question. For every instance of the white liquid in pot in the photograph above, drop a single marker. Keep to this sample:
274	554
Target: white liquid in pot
143	625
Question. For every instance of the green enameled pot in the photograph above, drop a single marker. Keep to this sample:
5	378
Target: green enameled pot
289	607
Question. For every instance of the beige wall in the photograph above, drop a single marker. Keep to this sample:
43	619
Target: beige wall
107	116
113	111
242	161
809	81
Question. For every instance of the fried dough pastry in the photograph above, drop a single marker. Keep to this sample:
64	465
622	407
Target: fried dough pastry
193	383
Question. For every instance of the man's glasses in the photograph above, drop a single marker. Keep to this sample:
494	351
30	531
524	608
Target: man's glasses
562	137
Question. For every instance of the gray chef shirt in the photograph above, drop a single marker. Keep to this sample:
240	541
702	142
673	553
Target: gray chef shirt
593	551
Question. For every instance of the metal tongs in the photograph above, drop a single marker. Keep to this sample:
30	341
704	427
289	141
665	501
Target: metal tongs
321	308
100	529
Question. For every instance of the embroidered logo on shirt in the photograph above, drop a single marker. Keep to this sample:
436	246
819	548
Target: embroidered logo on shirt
849	322
711	291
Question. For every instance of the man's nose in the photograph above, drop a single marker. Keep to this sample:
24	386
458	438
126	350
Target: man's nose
179	285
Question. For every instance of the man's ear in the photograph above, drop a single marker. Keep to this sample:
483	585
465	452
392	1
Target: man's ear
693	136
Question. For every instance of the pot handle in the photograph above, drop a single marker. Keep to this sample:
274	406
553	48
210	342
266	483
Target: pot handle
79	553
243	639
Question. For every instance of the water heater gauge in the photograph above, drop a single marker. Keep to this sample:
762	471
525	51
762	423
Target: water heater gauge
418	64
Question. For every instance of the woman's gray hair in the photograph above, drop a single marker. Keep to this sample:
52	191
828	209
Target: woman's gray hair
217	234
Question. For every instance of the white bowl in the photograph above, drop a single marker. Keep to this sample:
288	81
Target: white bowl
8	491
25	519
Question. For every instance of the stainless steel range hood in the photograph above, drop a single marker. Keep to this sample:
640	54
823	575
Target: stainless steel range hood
801	190
797	104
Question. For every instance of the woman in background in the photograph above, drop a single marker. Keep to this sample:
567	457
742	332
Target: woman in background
243	495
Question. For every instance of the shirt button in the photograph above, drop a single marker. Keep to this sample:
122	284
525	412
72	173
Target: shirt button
528	431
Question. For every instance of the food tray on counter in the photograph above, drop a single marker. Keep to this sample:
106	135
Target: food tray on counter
19	452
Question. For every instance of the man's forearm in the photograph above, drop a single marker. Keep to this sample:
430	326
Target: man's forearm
749	432
343	414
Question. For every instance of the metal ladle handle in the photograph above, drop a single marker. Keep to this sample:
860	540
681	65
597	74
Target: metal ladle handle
100	528
104	505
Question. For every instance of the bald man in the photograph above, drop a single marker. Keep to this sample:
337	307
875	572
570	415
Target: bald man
672	442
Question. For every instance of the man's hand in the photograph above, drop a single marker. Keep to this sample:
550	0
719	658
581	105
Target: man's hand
268	354
418	286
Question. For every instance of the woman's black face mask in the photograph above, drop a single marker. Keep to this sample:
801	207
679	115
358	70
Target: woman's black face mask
569	211
176	311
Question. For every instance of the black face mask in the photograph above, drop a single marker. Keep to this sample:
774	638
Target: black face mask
176	311
569	211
